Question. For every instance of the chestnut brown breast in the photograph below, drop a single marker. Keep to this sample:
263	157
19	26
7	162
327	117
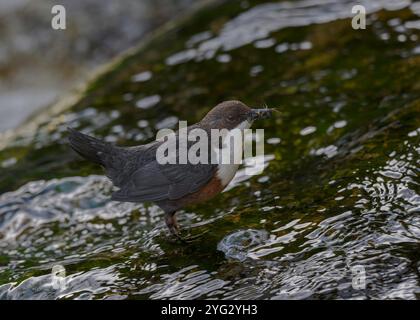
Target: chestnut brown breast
211	189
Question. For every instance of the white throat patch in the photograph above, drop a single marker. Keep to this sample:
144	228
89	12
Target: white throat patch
226	172
244	125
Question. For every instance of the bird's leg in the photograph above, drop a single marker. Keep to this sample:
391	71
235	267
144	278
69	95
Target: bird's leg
171	223
173	227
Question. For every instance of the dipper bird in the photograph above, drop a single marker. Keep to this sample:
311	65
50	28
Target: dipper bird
141	177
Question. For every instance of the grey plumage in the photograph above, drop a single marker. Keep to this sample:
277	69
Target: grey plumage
140	177
137	173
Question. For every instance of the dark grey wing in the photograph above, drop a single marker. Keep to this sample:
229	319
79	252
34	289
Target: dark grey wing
187	178
152	181
155	182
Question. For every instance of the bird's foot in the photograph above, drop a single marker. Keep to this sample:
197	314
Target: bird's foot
173	227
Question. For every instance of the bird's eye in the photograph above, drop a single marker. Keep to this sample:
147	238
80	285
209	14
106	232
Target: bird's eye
231	118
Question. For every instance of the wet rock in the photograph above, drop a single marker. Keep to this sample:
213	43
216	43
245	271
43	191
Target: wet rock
238	244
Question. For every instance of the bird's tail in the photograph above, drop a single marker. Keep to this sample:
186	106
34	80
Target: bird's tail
88	147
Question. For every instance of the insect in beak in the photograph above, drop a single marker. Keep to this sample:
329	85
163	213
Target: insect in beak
256	114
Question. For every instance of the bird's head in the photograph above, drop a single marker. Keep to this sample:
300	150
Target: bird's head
233	114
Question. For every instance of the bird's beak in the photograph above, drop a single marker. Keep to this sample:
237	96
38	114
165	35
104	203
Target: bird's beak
256	114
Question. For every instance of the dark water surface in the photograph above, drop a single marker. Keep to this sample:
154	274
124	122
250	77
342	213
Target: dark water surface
340	190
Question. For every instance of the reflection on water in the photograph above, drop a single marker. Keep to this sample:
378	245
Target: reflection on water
339	192
257	23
